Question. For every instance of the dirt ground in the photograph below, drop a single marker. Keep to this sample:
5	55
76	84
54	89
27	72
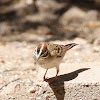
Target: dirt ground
17	71
16	63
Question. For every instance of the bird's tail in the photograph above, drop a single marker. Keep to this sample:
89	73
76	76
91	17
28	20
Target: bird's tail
69	46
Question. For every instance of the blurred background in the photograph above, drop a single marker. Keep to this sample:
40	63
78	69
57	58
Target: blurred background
47	20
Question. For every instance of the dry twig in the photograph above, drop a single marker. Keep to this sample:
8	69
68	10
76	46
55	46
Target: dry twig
9	83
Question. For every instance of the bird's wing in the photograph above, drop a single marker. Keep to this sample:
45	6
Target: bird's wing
55	50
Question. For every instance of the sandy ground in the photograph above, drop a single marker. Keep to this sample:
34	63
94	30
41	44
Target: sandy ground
17	71
16	64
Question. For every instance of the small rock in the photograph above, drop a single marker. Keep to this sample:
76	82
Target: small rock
45	30
16	76
32	66
76	53
49	5
92	24
31	90
2	61
91	16
97	33
11	98
96	49
97	42
72	13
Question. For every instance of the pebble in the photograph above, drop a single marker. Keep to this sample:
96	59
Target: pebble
31	90
76	53
96	49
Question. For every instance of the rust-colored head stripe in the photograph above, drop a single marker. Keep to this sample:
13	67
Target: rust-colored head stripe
44	48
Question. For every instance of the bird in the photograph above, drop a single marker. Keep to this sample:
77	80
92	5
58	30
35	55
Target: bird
49	55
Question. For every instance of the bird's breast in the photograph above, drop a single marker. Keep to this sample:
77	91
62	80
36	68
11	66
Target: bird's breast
49	62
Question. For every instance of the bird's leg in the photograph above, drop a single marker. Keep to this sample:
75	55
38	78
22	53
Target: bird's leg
45	75
57	73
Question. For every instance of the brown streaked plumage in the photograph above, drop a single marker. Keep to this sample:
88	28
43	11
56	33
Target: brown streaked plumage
50	55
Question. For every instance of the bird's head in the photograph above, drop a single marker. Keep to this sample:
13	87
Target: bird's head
40	51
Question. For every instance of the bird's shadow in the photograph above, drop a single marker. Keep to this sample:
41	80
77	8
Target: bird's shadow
58	85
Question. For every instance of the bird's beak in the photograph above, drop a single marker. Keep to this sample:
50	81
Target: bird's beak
37	58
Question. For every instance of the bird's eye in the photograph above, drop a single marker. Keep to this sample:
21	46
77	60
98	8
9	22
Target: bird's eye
44	54
38	50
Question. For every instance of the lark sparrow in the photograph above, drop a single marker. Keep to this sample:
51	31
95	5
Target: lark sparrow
50	55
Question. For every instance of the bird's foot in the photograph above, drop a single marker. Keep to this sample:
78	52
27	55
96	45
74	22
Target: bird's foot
50	80
44	78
